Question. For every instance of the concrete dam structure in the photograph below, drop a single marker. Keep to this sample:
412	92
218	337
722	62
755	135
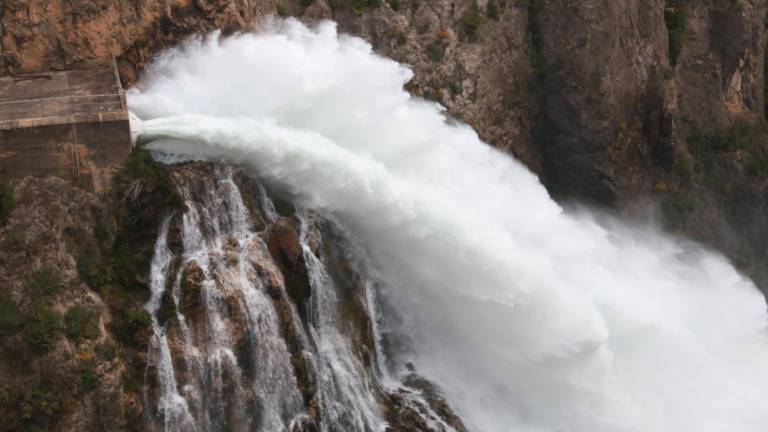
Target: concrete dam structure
71	124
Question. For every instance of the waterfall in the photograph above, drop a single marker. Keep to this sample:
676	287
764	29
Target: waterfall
220	357
526	316
215	230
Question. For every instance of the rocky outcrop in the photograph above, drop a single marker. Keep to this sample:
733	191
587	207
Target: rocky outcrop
42	35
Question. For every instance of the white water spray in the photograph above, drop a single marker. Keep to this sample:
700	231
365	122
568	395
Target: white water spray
529	318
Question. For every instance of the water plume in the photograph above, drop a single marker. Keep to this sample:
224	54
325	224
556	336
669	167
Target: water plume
530	318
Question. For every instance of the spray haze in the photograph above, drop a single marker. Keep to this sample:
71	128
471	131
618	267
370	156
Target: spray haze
530	318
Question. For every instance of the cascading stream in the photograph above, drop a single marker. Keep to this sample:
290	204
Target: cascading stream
222	361
528	317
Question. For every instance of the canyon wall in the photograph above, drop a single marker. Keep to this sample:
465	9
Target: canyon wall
635	106
639	106
629	105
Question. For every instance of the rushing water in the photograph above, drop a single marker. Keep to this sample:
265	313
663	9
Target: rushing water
216	378
529	318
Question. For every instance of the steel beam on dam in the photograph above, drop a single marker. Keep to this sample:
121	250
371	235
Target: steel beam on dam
71	124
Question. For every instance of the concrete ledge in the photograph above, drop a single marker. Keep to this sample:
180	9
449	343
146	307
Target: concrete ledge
67	119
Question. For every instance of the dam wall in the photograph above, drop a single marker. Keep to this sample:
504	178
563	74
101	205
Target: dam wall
71	124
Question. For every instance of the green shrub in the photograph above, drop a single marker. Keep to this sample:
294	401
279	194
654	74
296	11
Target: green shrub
436	51
147	191
743	135
282	9
95	272
101	234
306	3
394	4
132	326
472	19
43	327
81	323
107	350
41	404
125	265
454	87
357	6
401	39
492	10
757	165
89	378
130	382
7	201
534	37
674	18
44	283
10	315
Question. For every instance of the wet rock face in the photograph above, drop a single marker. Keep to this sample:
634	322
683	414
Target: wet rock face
284	246
405	415
272	317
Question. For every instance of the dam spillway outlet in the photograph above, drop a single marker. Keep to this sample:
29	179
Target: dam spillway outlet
70	124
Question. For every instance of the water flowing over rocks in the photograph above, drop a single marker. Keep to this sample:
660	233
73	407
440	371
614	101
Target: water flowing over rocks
272	325
258	320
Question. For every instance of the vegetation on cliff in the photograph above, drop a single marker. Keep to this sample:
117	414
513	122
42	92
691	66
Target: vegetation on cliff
46	315
7	201
674	18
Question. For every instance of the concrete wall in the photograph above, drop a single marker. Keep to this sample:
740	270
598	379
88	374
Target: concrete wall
71	124
86	153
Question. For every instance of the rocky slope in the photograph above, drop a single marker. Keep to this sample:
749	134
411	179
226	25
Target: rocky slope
616	103
63	365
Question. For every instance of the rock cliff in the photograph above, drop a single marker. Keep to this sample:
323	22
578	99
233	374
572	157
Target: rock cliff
629	105
616	103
